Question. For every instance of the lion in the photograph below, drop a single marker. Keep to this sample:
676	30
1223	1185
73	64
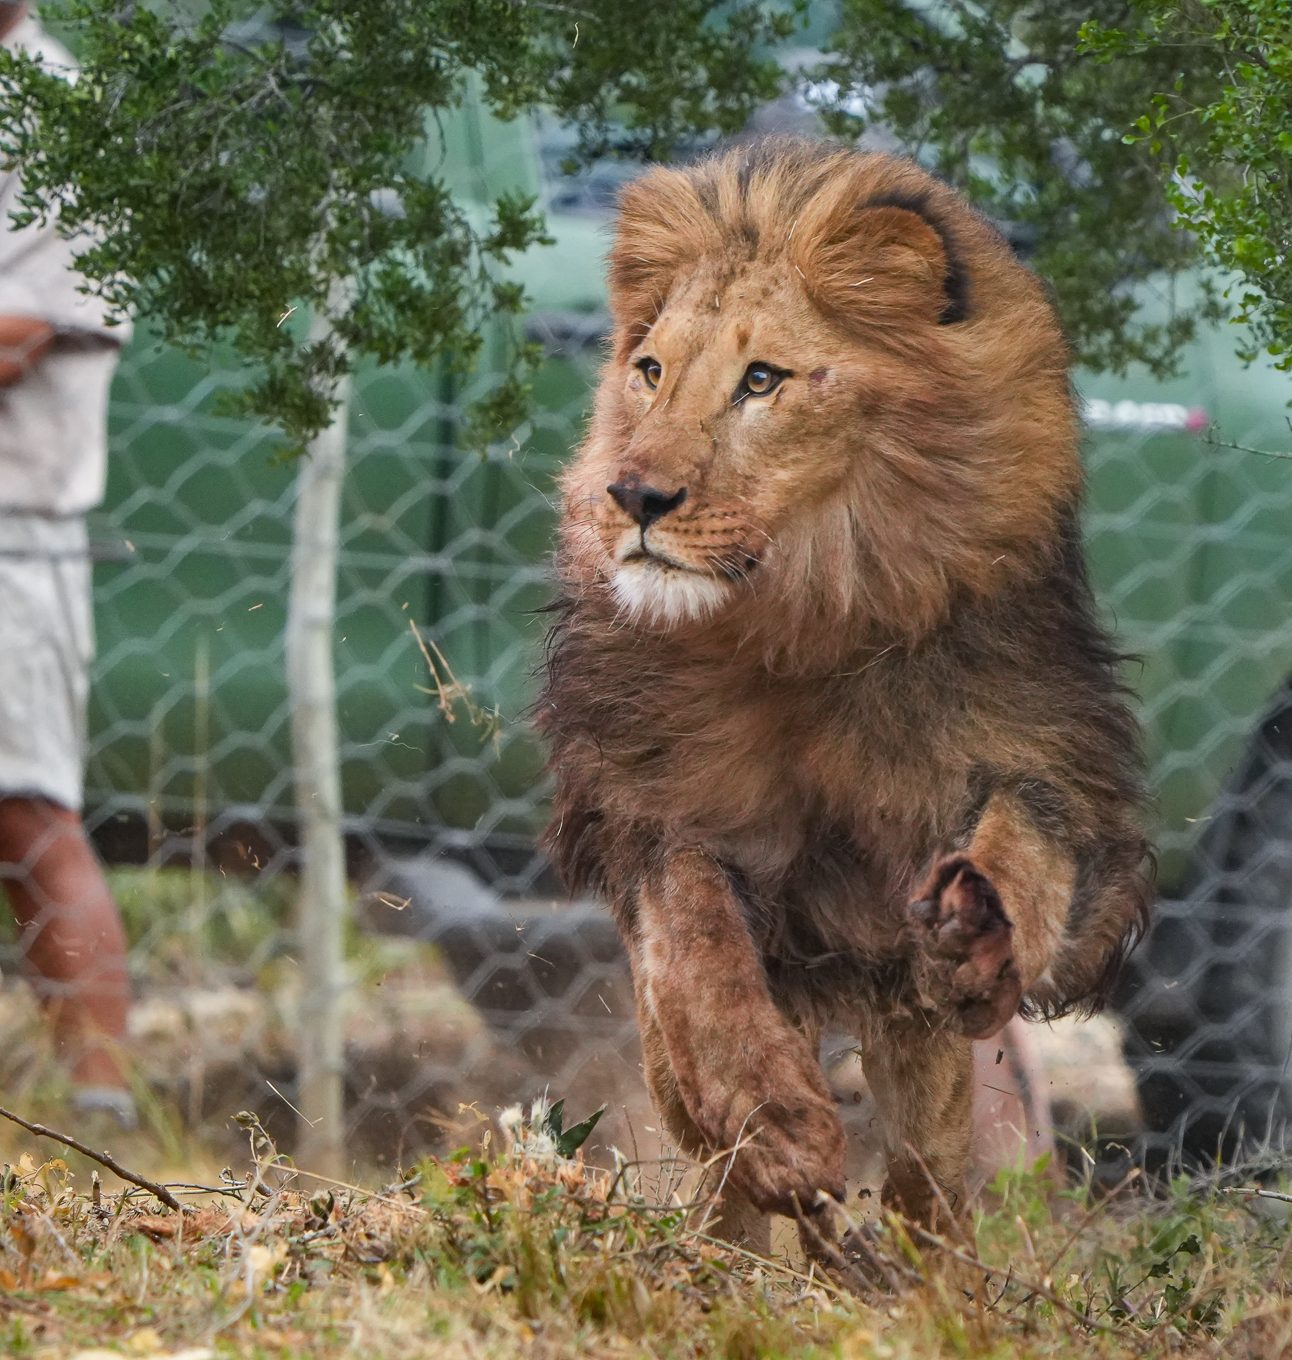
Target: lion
834	727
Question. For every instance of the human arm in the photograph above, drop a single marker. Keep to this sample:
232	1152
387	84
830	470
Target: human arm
24	341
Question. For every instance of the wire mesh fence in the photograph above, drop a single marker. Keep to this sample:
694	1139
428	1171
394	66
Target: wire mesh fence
472	982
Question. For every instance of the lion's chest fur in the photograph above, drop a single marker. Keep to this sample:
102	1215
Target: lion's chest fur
825	796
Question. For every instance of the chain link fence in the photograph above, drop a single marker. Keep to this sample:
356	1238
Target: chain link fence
1194	565
473	983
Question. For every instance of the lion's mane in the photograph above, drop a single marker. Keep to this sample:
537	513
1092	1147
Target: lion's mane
905	642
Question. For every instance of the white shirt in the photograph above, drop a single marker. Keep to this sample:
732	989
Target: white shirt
53	420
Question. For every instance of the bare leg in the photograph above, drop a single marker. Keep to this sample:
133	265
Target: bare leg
921	1081
1011	1111
743	1074
72	940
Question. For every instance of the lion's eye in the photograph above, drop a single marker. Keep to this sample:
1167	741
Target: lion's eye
760	380
652	370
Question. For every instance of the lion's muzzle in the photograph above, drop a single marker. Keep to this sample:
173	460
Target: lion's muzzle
644	504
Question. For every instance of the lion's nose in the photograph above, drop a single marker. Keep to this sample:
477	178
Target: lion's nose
645	504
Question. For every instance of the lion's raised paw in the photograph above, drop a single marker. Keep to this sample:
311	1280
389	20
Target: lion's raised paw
963	959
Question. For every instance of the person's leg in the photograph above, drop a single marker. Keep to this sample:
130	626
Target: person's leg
72	940
1012	1127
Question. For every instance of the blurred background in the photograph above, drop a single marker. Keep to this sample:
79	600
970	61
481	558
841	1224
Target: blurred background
470	981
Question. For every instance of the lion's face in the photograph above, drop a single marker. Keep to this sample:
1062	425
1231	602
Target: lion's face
724	418
809	423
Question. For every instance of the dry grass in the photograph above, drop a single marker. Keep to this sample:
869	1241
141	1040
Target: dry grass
511	1252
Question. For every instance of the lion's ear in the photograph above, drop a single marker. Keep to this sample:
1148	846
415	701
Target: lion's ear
882	261
662	228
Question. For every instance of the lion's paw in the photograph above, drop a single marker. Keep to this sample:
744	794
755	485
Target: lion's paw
785	1131
964	958
790	1154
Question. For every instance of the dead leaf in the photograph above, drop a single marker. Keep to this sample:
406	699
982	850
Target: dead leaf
212	1223
52	1281
26	1243
157	1226
264	1258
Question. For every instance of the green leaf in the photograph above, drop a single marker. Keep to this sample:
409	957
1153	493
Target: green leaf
554	1119
569	1142
232	168
1133	144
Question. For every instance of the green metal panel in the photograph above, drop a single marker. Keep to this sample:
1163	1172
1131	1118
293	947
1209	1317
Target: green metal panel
1190	551
1189	546
189	702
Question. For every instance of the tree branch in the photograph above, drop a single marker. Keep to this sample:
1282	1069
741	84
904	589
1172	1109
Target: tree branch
103	1158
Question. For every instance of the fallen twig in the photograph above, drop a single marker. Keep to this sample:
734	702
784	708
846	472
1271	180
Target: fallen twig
847	1274
1100	1206
189	1188
1030	1286
1255	1192
771	1263
103	1158
377	1197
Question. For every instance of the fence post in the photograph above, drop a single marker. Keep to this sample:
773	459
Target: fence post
311	682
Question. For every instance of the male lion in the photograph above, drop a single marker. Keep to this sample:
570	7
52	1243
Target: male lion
833	725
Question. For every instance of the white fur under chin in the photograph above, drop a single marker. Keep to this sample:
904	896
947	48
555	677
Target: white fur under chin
667	596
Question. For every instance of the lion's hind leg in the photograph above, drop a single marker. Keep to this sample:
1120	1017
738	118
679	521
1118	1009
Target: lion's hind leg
922	1081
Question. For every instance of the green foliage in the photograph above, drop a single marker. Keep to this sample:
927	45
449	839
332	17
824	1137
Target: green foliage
568	1141
180	918
237	160
1227	144
1166	1252
508	1255
1097	130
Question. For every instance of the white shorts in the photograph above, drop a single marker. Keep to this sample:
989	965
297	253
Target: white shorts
46	646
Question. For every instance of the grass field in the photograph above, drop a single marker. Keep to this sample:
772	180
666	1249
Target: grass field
514	1251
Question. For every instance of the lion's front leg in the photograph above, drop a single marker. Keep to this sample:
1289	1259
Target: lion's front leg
737	1218
987	921
745	1076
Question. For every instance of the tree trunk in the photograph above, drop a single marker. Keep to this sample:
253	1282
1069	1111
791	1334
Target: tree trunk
322	908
